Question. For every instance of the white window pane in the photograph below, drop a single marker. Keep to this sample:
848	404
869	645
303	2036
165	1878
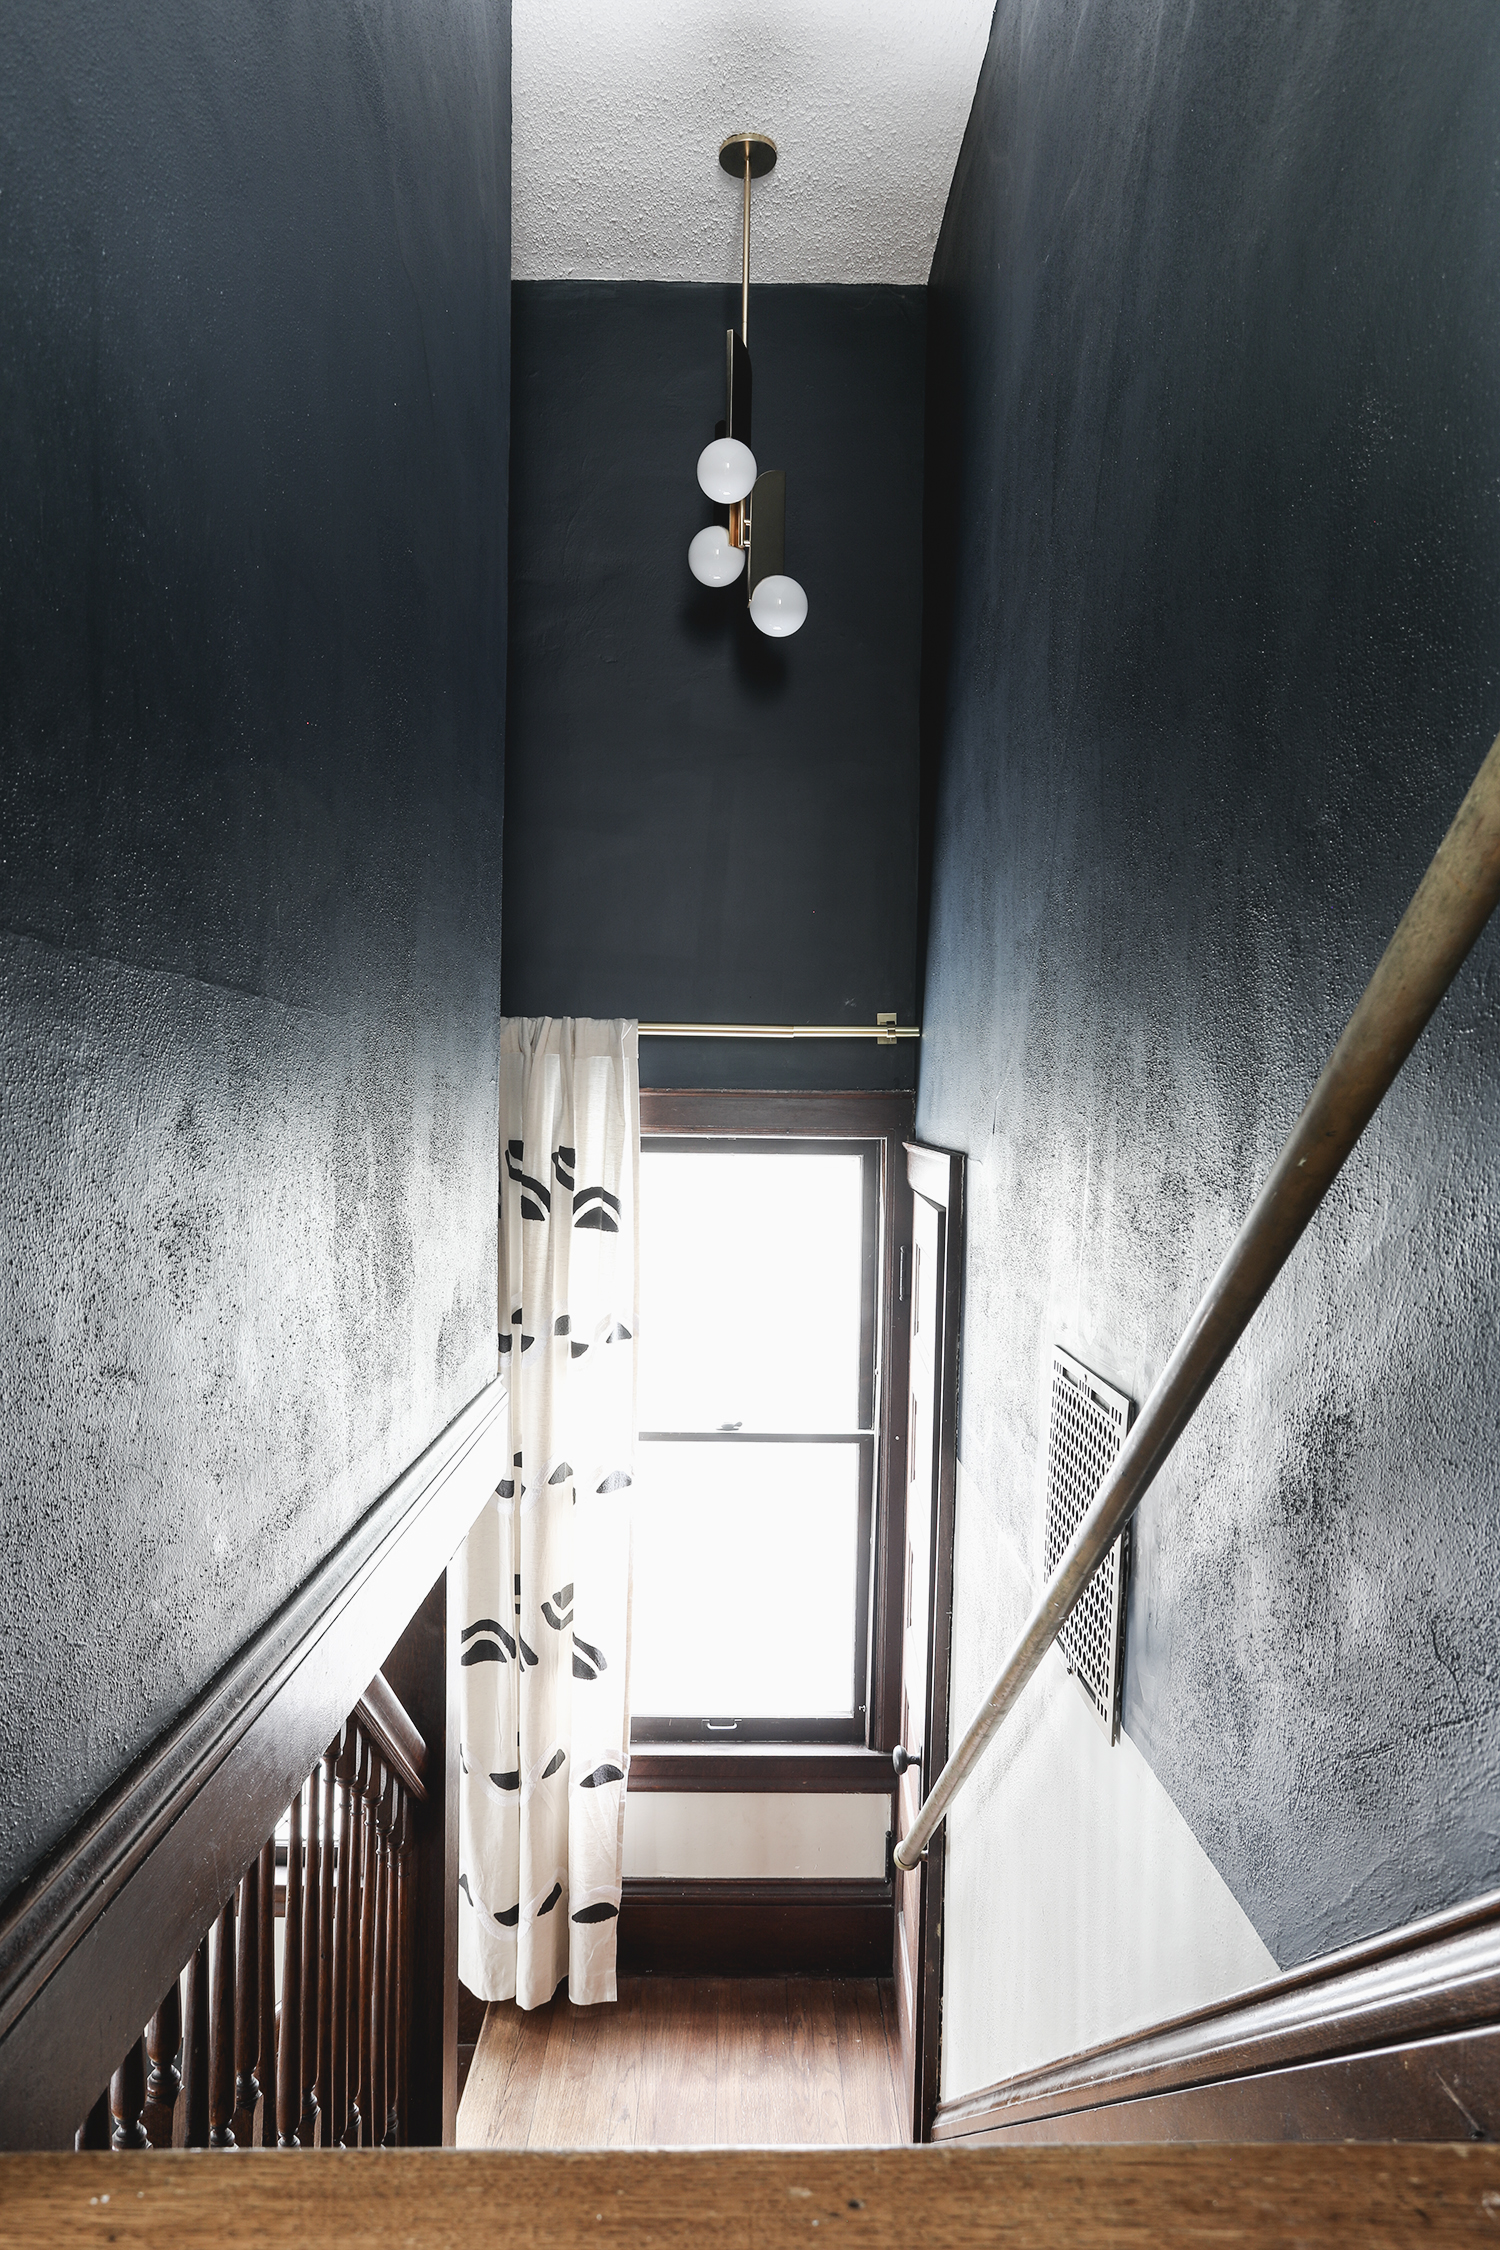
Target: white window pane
750	1290
744	1594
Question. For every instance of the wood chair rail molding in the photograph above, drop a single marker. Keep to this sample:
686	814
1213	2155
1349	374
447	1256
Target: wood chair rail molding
864	2199
1395	2038
89	1945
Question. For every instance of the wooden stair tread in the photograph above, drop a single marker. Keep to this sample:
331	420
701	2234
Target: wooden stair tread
876	2199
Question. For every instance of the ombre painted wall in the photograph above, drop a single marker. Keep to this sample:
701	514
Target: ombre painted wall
254	371
1212	603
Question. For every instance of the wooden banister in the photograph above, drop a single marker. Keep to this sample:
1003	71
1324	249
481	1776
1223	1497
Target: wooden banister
91	1943
334	1888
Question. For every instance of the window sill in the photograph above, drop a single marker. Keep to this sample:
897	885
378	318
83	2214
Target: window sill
819	1768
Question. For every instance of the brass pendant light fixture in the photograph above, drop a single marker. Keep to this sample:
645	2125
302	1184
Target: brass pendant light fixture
754	542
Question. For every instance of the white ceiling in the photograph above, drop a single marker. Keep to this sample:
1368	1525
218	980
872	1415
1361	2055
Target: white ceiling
619	107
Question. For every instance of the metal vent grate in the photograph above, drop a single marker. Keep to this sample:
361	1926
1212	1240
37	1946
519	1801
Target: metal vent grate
1087	1429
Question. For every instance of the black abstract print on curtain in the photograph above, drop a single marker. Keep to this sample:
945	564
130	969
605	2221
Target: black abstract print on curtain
544	1578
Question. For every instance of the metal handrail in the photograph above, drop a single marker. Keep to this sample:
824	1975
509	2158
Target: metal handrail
1453	901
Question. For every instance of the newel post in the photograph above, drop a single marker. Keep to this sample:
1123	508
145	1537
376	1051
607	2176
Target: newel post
422	1668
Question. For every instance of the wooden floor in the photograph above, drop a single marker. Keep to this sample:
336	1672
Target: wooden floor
691	2062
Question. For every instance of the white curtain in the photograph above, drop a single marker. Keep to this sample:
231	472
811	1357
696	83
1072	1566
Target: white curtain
544	1578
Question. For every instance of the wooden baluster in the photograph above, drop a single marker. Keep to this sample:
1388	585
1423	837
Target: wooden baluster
266	2011
382	1966
323	2080
164	2082
307	2125
221	2034
289	2055
374	1779
358	2039
98	2127
336	2111
406	1895
195	2049
127	2098
246	2004
392	1965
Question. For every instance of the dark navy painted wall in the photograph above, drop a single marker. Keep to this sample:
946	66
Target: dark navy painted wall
1212	652
254	337
704	825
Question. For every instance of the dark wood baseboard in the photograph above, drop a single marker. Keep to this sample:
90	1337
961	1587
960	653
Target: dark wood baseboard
835	1928
1395	2039
833	1769
90	1944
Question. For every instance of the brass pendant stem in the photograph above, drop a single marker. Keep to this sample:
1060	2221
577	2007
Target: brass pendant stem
745	259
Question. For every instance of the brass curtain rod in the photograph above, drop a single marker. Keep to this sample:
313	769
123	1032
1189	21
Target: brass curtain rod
885	1030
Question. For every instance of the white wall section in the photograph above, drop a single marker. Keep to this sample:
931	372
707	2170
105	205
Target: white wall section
618	111
1079	1903
773	1833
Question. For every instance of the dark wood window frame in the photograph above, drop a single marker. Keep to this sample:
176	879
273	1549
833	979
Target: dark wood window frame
883	1122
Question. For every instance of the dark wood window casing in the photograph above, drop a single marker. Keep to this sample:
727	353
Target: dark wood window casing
771	1754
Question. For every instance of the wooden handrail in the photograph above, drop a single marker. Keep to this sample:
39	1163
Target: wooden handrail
383	1715
1453	901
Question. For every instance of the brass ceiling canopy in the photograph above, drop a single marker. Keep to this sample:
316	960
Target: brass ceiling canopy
762	151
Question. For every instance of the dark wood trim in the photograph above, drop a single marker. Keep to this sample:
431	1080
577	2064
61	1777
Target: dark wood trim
890	1523
937	1175
834	1769
835	1928
793	1116
890	1119
1395	2038
1430	2090
89	1945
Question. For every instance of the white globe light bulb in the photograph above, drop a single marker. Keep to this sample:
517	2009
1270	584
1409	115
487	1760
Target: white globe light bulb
726	470
713	559
778	606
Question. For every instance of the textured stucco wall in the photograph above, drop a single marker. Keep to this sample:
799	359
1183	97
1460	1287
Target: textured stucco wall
704	825
1213	649
254	336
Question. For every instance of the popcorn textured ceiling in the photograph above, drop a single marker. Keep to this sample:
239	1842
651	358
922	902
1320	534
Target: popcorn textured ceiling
620	106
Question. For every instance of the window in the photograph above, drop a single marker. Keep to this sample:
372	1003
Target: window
758	1405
